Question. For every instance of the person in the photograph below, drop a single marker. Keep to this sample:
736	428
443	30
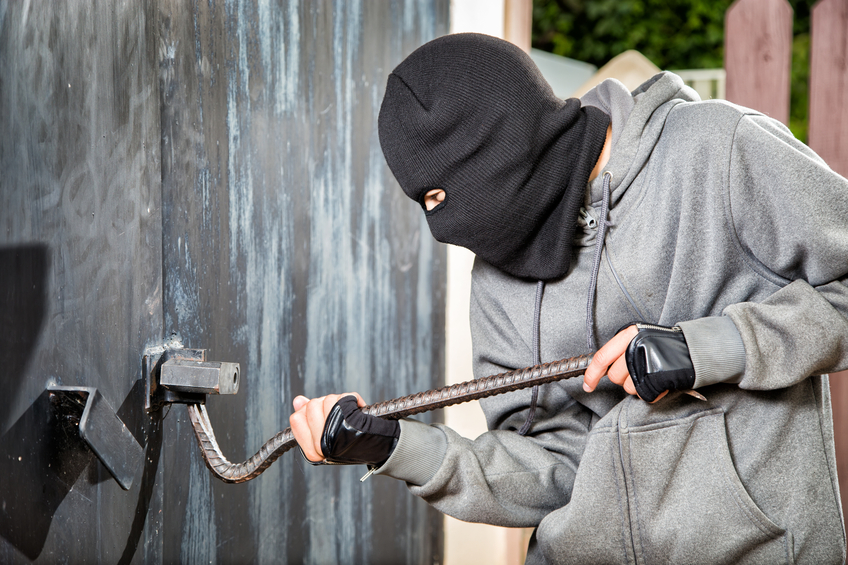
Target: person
699	241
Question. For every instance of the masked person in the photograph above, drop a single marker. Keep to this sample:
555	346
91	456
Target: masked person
708	224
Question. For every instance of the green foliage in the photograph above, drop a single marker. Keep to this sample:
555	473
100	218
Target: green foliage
673	34
799	100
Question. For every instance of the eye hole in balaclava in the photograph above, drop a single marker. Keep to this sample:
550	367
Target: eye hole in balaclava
471	114
438	206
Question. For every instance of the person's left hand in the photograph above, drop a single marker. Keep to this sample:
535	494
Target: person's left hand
610	361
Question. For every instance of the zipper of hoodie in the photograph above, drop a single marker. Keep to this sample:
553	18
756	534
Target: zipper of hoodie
601	226
591	222
645	326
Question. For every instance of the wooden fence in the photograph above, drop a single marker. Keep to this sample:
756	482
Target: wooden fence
758	51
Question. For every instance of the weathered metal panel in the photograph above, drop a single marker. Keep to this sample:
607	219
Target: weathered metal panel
80	269
289	249
286	245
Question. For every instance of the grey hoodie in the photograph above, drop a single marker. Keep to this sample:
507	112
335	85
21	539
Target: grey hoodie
721	222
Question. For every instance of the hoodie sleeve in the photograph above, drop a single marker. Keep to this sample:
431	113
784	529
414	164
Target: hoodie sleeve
789	214
500	478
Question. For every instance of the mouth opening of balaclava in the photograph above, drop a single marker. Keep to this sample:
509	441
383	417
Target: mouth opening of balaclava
471	114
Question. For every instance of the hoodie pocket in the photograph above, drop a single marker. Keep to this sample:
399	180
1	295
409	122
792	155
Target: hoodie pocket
687	502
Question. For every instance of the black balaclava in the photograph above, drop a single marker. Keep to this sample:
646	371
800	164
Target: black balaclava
472	115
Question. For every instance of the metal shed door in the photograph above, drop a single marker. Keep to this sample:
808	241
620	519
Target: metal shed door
207	172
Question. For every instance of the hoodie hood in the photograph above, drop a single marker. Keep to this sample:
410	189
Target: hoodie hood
636	125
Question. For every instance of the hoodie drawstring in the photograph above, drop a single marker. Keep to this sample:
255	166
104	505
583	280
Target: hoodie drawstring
590	314
537	356
593	282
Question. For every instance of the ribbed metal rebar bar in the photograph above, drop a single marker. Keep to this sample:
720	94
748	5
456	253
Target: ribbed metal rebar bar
393	409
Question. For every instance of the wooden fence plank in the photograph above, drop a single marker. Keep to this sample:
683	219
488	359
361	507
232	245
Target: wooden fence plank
828	136
518	22
839	402
757	55
828	133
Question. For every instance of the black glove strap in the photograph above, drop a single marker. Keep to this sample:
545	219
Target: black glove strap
352	437
658	360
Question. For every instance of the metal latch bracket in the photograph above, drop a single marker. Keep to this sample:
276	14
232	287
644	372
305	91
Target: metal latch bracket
103	431
176	374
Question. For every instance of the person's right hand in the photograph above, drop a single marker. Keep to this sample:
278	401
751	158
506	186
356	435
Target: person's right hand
307	422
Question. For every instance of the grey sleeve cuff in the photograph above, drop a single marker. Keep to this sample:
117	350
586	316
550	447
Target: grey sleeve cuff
418	453
716	350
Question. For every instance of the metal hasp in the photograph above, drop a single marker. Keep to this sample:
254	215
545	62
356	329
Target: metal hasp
100	428
199	376
174	374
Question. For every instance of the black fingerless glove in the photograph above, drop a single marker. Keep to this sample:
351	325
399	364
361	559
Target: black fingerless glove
658	360
352	437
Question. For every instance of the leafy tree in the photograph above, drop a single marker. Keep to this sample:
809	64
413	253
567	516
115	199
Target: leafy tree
673	34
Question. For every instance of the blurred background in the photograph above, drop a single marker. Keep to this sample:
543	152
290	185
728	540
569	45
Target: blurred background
674	35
